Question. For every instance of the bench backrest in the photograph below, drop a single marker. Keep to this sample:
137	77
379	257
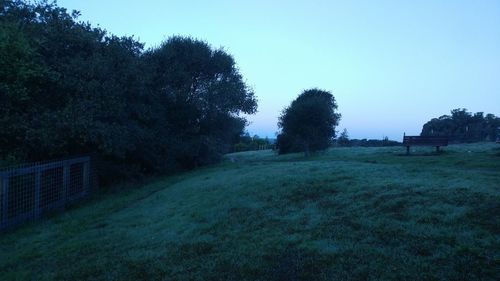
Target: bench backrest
430	141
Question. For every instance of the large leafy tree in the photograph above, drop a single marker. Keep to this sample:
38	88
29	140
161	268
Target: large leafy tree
22	75
308	124
204	96
79	87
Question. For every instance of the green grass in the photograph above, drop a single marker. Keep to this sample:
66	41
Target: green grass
348	214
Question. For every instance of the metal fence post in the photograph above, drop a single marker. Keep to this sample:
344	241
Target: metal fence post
5	200
65	183
38	176
86	176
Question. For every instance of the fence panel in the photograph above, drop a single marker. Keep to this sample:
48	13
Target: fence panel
30	191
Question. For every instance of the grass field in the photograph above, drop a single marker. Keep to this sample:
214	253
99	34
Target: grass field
348	214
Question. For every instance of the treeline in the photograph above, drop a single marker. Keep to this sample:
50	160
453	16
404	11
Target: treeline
344	141
369	142
68	88
464	126
247	143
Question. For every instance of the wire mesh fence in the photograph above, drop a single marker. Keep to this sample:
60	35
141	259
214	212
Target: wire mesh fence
31	191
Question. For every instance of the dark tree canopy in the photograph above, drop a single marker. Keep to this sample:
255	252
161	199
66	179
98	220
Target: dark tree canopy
464	126
308	124
204	93
69	88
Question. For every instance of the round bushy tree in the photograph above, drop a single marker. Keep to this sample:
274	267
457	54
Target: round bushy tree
205	95
308	124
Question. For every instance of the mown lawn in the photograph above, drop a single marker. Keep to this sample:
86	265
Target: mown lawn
348	214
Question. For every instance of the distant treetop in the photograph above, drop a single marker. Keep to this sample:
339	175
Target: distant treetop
464	126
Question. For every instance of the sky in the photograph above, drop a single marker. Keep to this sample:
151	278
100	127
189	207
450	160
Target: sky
391	65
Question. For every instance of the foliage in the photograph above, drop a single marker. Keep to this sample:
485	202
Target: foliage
308	124
373	142
204	92
247	143
463	126
343	139
69	88
367	142
348	214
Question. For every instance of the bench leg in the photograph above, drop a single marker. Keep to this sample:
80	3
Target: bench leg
407	150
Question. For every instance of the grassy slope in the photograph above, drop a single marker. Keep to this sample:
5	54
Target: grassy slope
350	214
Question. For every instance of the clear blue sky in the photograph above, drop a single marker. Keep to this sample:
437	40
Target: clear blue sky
392	65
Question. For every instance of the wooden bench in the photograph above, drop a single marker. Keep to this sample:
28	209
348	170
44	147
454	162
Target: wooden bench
424	141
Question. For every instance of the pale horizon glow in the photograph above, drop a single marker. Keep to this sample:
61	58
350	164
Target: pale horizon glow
391	65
